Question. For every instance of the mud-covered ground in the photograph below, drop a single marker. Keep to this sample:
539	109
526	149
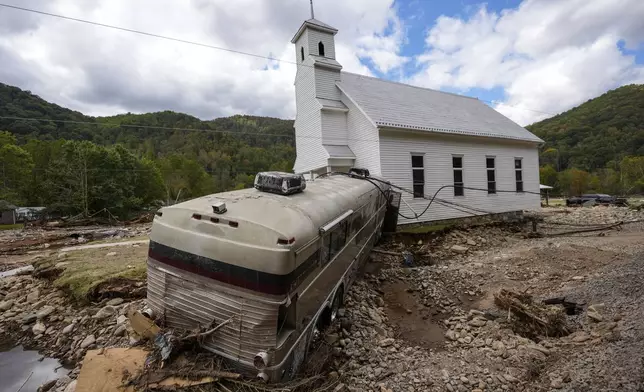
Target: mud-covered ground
429	326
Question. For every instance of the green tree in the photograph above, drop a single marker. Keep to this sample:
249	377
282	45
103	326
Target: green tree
16	166
87	178
632	168
609	181
183	178
574	181
548	175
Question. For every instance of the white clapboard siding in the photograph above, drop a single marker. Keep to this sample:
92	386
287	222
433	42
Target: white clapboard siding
315	37
308	136
334	128
325	80
302	42
362	138
396	148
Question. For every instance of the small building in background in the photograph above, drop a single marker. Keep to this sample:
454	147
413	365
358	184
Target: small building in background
7	213
26	214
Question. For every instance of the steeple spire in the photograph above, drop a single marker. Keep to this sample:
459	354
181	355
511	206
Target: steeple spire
312	14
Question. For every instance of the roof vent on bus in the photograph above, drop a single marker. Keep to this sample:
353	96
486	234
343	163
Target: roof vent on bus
280	183
219	207
359	172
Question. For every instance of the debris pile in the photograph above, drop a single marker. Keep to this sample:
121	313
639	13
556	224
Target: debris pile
597	215
42	238
532	319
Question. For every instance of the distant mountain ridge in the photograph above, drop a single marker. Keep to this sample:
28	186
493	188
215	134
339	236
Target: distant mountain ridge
597	133
15	102
194	156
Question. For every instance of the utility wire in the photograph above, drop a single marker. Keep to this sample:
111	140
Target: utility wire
110	125
185	41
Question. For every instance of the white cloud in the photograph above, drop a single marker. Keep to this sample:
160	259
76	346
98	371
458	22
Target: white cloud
547	56
102	71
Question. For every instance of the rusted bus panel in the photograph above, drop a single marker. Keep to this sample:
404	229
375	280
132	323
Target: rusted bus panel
187	300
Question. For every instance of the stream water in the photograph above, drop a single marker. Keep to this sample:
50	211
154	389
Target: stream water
19	366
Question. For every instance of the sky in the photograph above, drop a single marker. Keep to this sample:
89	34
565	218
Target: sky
528	59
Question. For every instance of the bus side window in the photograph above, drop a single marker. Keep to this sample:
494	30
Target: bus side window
334	241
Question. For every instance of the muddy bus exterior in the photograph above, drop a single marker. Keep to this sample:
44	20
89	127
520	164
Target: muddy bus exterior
274	267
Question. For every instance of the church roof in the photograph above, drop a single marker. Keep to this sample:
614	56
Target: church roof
314	24
398	105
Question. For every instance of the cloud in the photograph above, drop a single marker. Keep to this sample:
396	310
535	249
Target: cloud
547	56
101	71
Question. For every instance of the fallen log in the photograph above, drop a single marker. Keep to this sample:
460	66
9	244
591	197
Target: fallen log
386	252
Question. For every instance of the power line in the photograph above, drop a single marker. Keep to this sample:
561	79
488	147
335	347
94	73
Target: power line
185	41
111	125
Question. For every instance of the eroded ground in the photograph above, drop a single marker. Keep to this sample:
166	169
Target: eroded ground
433	326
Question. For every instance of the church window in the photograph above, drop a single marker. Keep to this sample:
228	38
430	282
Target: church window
302	52
321	49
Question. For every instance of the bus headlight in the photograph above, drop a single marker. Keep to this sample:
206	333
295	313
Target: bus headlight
262	359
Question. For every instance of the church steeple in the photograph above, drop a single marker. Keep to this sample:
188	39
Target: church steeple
314	38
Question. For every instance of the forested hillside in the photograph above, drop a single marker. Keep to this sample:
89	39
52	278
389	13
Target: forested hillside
79	163
596	146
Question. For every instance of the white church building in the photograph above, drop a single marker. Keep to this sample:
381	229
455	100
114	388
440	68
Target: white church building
417	138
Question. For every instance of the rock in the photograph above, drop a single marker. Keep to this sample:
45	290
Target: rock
38	328
459	249
115	302
594	312
539	348
47	386
577	278
387	342
88	341
110	254
477	322
68	329
467	339
451	335
44	312
105	312
449	387
120	330
556	383
375	316
121	319
510	378
33	296
580	337
471	242
498	345
29	318
71	387
474	312
39	304
5	305
340	388
332	338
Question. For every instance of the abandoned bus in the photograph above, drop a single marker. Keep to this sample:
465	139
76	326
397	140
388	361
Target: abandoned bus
273	263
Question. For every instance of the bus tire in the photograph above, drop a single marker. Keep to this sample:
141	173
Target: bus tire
298	357
338	299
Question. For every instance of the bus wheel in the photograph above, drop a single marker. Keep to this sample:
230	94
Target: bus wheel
337	304
300	353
